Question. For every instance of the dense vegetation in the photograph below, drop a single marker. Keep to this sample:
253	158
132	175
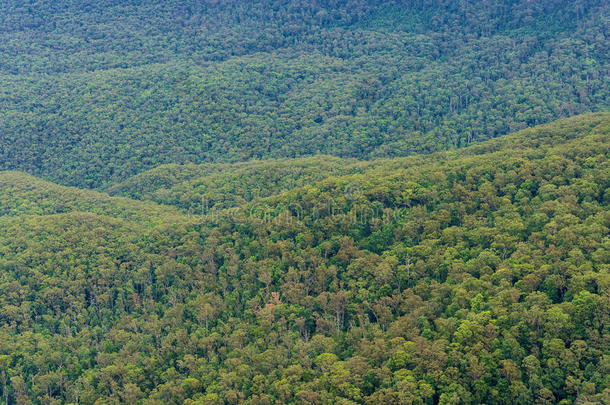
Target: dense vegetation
95	92
301	202
471	276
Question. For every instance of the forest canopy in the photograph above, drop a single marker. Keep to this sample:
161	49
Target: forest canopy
314	202
471	276
95	92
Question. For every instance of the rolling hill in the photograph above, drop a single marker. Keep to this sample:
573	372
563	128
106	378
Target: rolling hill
93	93
477	275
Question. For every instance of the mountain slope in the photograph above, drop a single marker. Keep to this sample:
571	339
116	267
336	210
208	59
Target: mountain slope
22	194
93	94
201	188
477	276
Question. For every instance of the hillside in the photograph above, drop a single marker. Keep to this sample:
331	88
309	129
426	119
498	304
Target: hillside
199	189
22	194
471	276
96	92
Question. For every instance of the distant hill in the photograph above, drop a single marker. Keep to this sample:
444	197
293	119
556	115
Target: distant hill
93	93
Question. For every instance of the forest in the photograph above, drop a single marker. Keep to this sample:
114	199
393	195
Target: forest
477	275
313	202
93	93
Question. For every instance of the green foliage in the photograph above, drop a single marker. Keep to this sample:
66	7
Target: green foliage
202	188
478	276
95	93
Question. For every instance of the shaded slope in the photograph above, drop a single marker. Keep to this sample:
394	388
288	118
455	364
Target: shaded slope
94	94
